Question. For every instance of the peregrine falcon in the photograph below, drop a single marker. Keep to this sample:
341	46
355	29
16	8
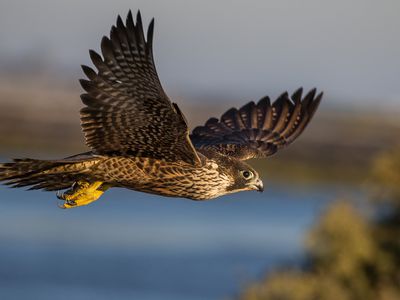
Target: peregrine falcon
140	140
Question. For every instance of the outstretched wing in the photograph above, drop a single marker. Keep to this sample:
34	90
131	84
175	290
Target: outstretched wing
127	111
258	130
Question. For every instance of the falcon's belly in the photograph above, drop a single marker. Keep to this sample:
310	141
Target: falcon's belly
173	179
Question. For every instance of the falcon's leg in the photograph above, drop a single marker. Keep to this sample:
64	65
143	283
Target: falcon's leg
82	193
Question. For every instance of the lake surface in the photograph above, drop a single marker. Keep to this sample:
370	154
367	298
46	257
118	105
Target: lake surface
130	245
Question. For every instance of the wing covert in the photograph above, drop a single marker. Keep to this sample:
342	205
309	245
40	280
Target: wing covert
127	112
258	130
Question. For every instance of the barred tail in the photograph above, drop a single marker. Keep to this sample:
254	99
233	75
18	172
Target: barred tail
41	174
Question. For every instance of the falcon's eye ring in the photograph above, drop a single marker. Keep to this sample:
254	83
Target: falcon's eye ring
247	174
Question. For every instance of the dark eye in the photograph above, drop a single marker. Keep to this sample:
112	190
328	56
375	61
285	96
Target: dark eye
247	174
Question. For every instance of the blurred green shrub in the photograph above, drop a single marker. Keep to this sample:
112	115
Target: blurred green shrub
385	178
351	257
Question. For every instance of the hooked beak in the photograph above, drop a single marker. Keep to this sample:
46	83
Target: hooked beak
259	186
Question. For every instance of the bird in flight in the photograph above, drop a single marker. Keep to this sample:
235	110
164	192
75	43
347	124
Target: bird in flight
140	140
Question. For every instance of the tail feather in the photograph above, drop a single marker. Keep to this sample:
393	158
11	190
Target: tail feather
41	174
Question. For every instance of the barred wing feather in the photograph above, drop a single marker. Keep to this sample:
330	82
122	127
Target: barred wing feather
127	112
258	130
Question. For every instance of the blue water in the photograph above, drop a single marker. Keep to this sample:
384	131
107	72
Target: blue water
130	245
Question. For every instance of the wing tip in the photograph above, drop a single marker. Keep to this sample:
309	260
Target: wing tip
129	18
89	72
95	57
119	21
296	96
315	103
138	16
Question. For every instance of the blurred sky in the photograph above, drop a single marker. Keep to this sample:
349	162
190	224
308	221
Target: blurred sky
243	49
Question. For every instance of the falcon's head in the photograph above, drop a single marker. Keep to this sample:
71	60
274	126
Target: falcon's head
240	175
245	178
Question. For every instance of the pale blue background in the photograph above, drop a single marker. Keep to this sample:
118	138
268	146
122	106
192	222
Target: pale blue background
236	49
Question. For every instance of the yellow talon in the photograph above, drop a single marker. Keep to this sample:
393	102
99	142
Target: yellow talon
82	193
